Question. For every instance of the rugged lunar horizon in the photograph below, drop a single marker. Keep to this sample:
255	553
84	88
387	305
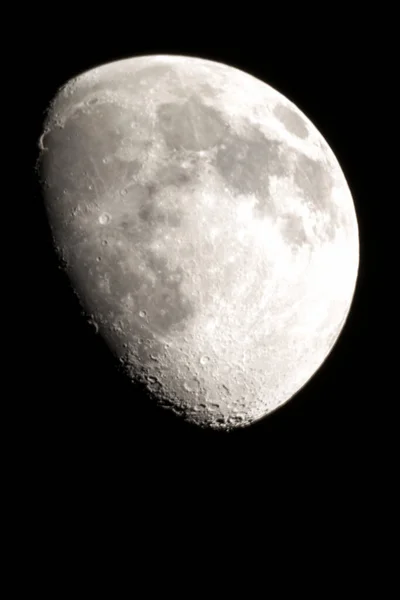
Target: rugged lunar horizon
207	229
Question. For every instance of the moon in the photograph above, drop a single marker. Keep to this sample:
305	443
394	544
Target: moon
207	228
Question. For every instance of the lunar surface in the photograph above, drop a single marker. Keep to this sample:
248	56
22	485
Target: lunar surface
207	229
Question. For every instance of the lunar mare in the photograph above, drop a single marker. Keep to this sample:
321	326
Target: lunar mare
207	228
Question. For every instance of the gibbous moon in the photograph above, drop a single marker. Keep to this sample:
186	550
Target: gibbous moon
207	229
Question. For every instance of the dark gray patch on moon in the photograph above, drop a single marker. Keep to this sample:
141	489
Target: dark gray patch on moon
153	74
174	175
154	214
138	195
246	163
159	302
292	121
265	205
191	125
312	177
79	162
168	307
315	182
151	212
292	230
208	90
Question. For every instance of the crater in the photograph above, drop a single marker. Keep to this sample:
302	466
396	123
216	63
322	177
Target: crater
292	121
190	125
104	218
42	144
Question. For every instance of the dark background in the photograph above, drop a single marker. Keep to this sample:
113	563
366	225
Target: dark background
87	425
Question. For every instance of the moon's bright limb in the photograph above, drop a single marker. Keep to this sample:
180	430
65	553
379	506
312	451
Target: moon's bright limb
208	230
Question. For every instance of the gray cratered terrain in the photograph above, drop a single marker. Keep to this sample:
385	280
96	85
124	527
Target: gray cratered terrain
206	227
